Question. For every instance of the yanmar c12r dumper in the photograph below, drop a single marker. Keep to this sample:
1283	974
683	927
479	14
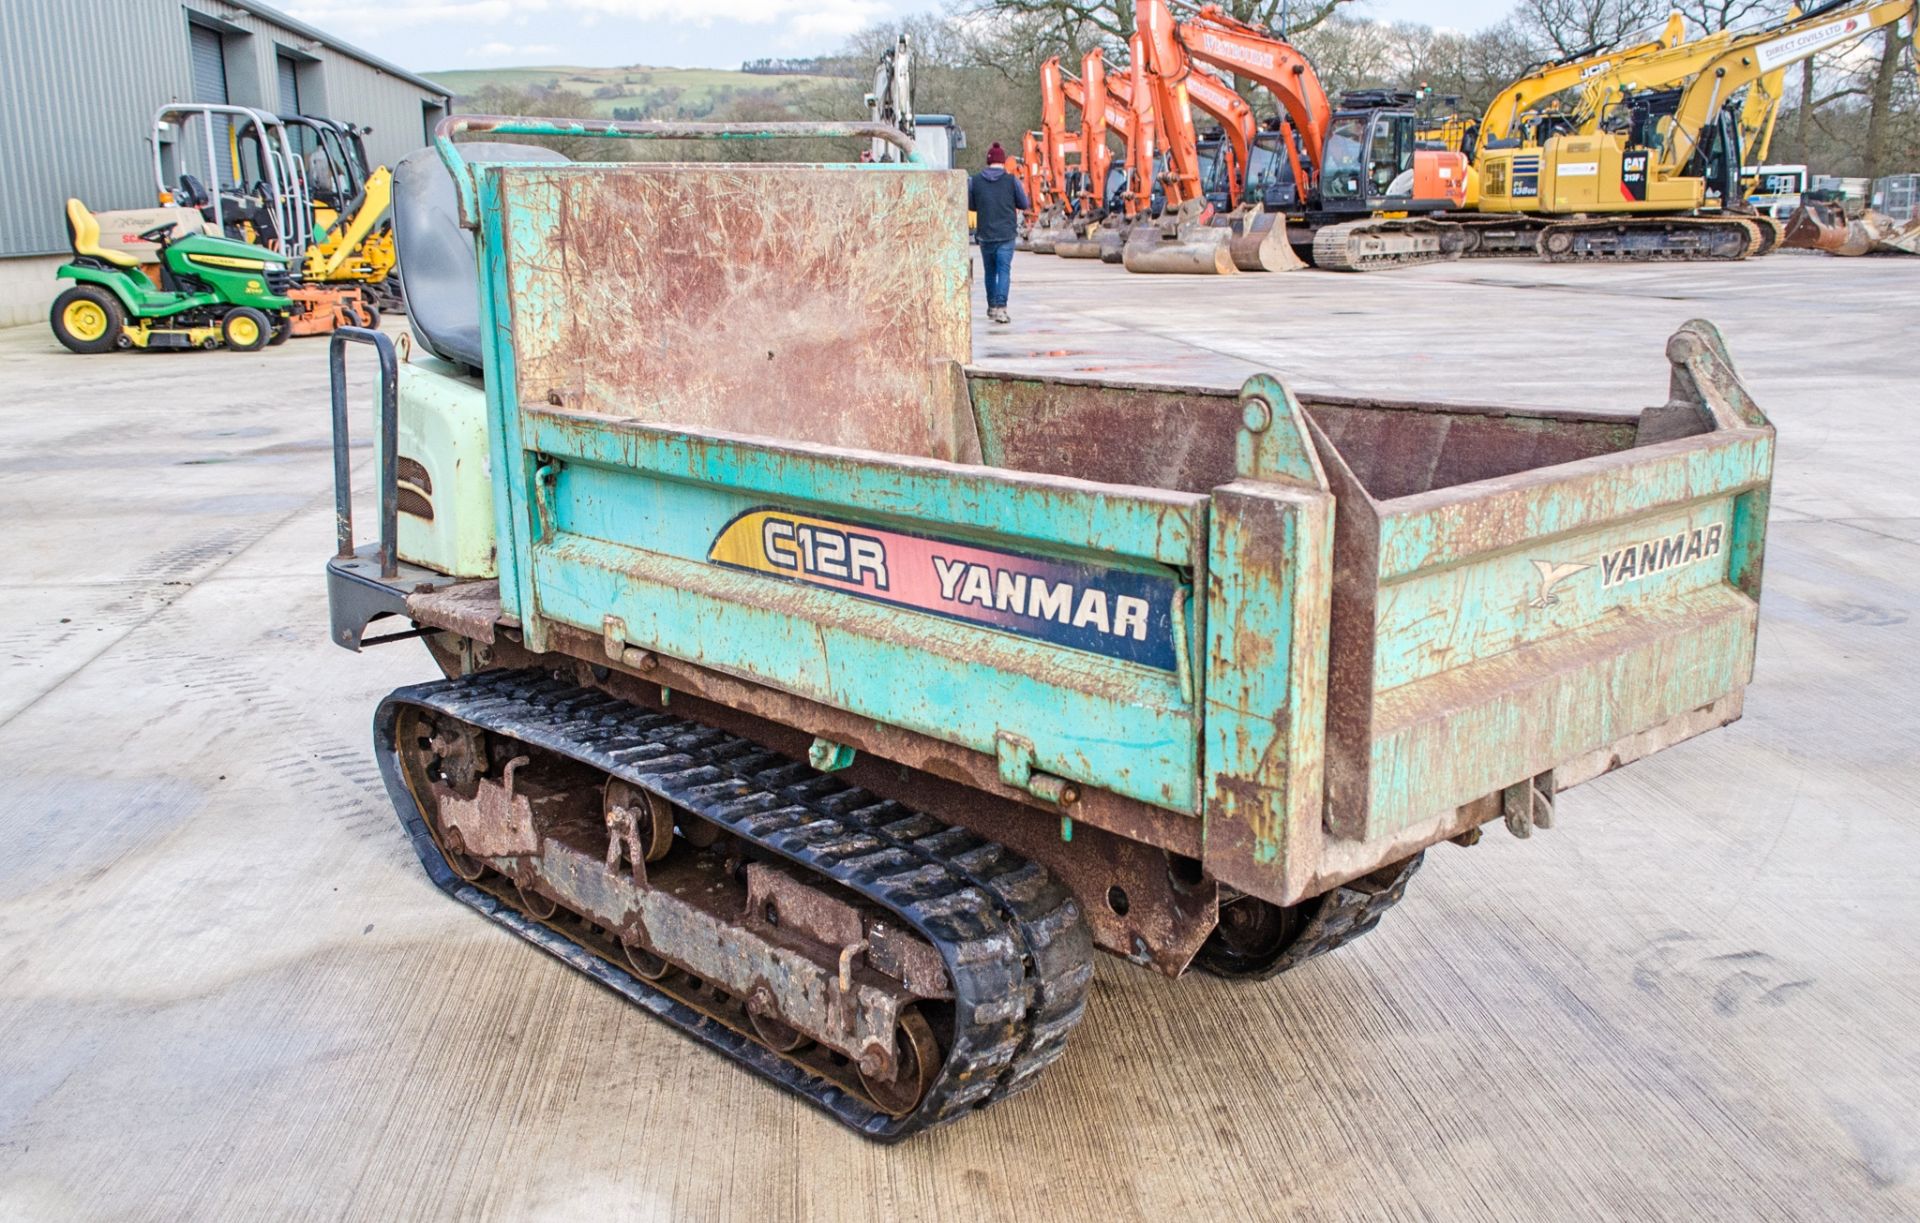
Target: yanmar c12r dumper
833	700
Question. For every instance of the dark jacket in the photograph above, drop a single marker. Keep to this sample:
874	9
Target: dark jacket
996	200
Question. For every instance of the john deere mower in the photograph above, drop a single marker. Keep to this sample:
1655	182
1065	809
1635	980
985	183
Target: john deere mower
206	292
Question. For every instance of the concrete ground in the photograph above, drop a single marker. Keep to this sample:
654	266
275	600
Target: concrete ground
227	991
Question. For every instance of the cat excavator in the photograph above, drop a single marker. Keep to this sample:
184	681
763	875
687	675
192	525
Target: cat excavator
1660	176
1363	195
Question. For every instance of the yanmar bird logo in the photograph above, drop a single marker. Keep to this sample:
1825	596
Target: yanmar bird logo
1551	575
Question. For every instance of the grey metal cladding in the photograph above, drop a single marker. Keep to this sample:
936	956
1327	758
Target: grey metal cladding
82	79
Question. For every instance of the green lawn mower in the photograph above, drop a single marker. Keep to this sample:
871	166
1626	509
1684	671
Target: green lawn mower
211	292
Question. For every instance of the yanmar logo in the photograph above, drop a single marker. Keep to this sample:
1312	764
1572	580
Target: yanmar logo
1633	563
1121	613
1644	560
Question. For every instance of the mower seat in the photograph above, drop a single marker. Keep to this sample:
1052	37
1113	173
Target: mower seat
83	233
437	268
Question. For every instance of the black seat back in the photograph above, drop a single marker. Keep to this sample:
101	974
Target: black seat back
437	266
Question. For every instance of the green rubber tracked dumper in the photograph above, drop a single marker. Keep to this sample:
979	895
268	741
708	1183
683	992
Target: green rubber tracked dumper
833	700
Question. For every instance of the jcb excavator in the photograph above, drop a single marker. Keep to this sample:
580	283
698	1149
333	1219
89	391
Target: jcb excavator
1660	179
1505	120
1362	193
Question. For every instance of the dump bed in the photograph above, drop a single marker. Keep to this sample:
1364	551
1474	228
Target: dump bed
1294	638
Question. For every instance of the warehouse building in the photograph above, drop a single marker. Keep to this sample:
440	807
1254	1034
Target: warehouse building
82	80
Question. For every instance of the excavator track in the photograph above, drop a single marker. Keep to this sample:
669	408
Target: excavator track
1015	951
1650	240
1501	237
1380	245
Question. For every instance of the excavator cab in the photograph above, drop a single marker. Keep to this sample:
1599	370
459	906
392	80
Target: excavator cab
1368	162
1647	121
1270	173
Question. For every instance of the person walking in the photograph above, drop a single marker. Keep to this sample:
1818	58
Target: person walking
996	200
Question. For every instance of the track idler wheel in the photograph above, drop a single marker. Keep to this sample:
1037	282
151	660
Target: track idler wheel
1256	941
916	1061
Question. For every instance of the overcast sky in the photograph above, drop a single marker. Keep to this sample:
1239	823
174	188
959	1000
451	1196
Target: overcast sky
425	35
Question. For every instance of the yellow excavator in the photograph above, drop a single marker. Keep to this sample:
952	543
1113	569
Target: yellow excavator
1562	97
352	239
1656	174
1507	116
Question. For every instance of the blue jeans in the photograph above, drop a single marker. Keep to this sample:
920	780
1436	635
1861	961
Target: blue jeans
997	259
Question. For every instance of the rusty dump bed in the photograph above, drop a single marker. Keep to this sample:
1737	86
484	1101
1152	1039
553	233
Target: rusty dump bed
1297	638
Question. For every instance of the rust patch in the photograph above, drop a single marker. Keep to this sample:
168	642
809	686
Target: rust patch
471	609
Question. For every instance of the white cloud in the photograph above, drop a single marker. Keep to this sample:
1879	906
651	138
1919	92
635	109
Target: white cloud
430	34
806	17
507	50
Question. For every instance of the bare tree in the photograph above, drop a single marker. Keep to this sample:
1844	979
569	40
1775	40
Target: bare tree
1569	27
1711	16
1881	117
1114	20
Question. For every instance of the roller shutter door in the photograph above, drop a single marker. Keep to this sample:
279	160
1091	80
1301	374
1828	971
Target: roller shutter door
209	65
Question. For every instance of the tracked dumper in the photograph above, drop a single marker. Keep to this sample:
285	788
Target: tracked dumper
833	700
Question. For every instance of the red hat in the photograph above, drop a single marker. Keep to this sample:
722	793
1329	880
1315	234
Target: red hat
996	155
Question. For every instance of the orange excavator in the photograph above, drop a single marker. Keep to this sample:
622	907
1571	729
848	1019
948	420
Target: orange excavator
1053	219
1029	170
1112	195
1238	130
1358	194
1210	224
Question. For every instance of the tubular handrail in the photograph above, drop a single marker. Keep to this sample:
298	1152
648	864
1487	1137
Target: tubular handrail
389	408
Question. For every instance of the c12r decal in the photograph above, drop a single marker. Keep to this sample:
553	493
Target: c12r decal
1116	612
1634	561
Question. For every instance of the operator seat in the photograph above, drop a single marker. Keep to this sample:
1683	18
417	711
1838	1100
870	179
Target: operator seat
83	233
437	266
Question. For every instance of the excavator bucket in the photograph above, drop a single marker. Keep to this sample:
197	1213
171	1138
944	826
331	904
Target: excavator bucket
1259	243
1196	250
1071	245
1899	239
1816	226
1049	227
1183	244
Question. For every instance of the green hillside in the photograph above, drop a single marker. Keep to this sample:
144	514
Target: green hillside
667	93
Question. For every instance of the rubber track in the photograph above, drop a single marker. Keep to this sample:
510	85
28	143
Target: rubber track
1017	950
1332	252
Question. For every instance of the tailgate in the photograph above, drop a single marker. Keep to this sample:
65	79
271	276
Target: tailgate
1493	640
